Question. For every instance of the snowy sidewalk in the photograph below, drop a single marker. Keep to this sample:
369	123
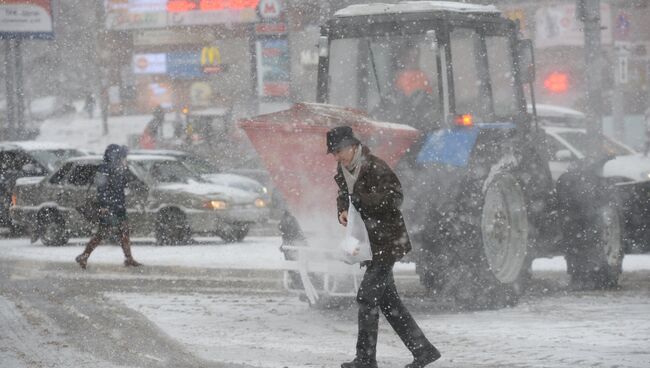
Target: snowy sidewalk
255	253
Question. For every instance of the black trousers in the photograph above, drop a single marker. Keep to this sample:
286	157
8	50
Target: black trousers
377	291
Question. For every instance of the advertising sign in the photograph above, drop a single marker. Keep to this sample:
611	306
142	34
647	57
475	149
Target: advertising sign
558	26
26	19
142	14
169	37
150	63
184	65
273	67
270	9
136	14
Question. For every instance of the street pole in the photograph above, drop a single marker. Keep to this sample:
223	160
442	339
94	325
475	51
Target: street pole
10	67
20	91
588	11
100	61
621	54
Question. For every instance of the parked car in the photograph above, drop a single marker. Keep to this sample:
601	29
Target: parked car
164	197
27	159
567	142
211	172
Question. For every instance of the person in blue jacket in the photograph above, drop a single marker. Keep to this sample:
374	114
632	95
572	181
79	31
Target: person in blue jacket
111	181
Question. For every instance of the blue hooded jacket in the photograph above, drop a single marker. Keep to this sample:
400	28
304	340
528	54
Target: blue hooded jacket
111	180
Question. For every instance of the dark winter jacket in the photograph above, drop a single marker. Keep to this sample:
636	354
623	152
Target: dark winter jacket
379	194
111	180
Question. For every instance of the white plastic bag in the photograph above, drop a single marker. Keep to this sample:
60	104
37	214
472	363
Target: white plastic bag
355	245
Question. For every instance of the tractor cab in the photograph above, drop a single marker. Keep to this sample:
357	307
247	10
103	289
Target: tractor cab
431	65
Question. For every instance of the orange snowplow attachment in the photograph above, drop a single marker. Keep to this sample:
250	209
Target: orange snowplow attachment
291	144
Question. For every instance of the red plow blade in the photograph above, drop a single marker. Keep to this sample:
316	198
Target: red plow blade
292	146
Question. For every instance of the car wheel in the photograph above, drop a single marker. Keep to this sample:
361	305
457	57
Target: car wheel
595	256
172	228
53	230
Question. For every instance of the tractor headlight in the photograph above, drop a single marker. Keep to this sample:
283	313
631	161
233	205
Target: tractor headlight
216	205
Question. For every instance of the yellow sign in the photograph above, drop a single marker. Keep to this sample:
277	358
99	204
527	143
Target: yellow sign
517	15
210	55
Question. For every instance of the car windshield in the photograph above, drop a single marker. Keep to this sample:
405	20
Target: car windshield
167	172
52	158
581	143
201	166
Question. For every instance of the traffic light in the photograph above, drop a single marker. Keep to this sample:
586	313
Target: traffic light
557	82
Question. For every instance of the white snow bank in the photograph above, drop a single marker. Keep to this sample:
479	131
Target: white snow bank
81	132
253	253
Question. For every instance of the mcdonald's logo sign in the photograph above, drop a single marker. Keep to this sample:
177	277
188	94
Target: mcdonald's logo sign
210	55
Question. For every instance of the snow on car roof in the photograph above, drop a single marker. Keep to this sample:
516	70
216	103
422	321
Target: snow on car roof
129	157
556	111
151	158
37	146
414	7
157	152
213	111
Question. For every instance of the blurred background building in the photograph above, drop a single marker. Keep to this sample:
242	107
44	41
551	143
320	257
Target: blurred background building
255	56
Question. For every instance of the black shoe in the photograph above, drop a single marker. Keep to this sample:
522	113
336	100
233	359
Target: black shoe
82	259
357	363
130	262
424	359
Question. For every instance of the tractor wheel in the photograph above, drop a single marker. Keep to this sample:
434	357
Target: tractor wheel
482	263
172	228
504	229
53	231
595	252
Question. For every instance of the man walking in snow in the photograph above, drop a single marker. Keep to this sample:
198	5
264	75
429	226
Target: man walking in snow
111	180
375	191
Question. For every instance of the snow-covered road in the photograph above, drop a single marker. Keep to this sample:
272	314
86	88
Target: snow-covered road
216	304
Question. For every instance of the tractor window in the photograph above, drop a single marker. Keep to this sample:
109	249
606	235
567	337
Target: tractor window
344	81
554	146
394	78
471	91
501	76
483	70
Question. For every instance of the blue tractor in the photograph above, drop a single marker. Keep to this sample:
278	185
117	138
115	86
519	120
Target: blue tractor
481	202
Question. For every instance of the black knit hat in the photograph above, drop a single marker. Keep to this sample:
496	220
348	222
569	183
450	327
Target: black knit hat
340	137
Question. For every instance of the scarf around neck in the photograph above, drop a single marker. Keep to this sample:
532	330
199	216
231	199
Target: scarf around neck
351	174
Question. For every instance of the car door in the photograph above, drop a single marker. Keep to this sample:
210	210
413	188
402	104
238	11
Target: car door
78	186
561	155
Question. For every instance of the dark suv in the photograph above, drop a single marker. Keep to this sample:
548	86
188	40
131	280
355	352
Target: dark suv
27	159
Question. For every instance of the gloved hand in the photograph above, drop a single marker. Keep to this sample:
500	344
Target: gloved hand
356	201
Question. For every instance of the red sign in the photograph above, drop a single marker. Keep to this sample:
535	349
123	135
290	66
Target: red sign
270	28
270	8
177	6
276	89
